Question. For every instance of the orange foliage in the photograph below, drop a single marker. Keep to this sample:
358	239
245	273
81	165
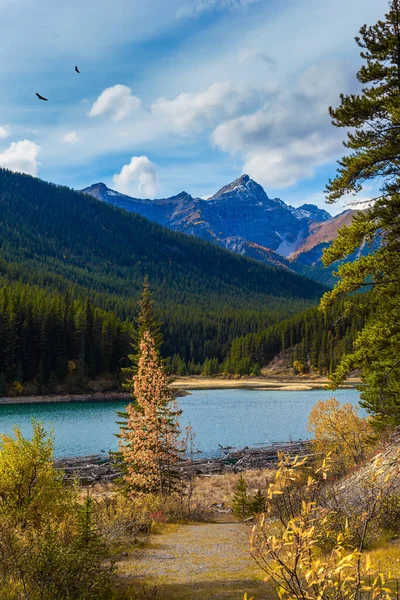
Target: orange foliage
150	443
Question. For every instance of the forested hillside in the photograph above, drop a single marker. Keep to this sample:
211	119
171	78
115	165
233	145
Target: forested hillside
73	235
47	337
317	340
54	240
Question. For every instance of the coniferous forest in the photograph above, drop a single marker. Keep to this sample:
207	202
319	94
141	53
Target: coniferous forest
317	341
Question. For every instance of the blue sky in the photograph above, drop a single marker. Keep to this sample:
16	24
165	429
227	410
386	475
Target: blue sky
179	94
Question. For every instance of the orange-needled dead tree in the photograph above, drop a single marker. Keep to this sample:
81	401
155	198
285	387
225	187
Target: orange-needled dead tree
150	443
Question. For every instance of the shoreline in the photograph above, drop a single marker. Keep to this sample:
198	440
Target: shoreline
104	468
66	398
183	385
257	383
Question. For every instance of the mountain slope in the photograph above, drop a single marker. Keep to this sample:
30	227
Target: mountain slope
307	258
311	341
321	235
240	217
79	236
242	208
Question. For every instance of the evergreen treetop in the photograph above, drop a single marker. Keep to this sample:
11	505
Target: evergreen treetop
146	322
240	502
374	139
374	114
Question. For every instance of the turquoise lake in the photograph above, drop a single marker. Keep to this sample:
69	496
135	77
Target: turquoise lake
227	417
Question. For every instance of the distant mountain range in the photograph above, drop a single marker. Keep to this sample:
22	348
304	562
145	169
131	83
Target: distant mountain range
242	218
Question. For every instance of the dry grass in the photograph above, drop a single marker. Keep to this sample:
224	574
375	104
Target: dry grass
208	490
219	489
275	381
387	559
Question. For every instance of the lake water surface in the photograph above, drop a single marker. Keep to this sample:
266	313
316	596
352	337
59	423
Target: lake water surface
238	417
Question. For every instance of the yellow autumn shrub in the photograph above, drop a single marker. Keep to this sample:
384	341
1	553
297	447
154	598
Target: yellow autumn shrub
340	431
291	548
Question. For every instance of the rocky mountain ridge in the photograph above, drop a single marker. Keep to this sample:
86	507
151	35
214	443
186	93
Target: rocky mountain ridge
242	218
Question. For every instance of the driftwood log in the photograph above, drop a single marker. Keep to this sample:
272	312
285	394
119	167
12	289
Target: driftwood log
90	469
104	468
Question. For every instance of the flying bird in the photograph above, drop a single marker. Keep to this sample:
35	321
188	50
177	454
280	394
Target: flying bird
41	97
76	69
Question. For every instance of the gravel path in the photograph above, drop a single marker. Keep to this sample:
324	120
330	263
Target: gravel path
202	561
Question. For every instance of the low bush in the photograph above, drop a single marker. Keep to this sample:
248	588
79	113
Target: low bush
50	546
121	519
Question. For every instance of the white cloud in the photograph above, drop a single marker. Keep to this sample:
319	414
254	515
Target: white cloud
283	167
195	8
362	200
138	178
250	56
117	102
71	138
4	132
196	111
291	135
21	157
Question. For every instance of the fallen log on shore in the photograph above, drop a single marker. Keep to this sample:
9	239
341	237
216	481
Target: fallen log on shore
247	458
90	469
105	468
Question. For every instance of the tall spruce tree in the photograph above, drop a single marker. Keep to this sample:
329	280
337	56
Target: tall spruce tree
146	321
373	117
150	442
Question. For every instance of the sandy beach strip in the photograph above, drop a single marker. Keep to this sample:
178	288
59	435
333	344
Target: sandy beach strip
256	383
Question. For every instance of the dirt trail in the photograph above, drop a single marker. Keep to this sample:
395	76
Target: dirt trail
201	561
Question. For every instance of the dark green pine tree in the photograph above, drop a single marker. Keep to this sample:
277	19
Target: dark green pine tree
3	384
240	503
258	503
40	377
373	117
